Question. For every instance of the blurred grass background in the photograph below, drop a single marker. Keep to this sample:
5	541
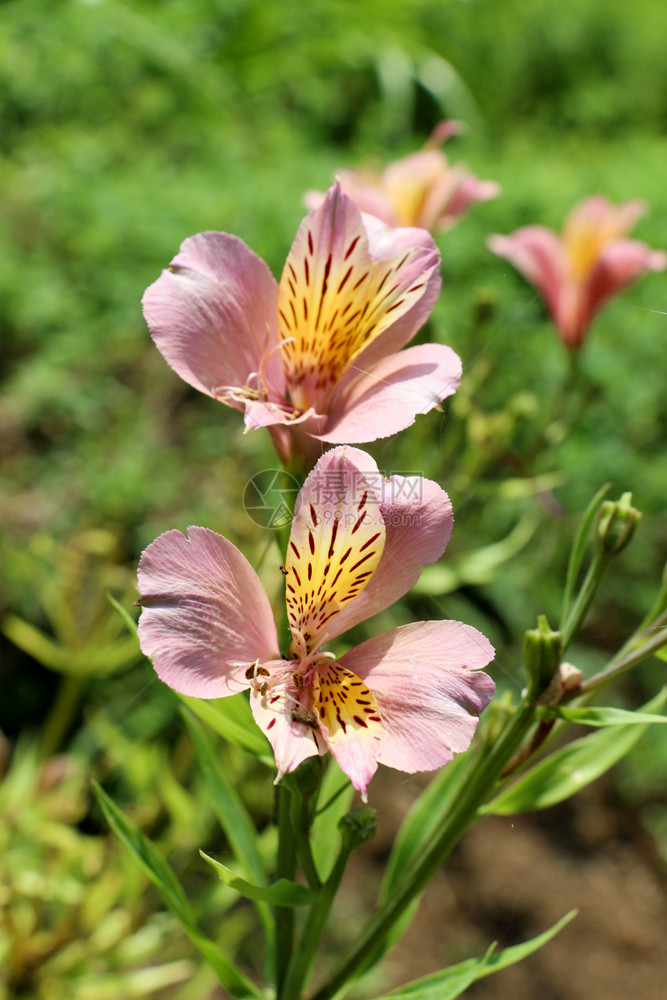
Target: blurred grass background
126	127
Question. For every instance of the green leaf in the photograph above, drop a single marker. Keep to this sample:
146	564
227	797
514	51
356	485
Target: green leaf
233	720
452	982
336	795
163	878
661	653
600	716
104	659
36	644
80	661
281	893
571	768
444	985
425	815
578	550
110	985
227	805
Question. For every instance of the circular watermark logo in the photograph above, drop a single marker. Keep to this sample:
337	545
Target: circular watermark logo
269	497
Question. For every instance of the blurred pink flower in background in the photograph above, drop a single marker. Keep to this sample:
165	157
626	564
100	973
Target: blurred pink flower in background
589	262
318	355
420	189
409	698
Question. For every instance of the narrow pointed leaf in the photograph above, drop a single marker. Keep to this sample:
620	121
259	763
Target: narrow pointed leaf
227	805
601	716
134	983
423	818
281	893
444	985
452	982
571	768
232	719
157	869
578	550
336	793
36	644
425	815
163	878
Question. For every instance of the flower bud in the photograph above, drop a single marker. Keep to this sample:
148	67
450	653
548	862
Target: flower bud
357	826
565	681
542	651
306	778
616	524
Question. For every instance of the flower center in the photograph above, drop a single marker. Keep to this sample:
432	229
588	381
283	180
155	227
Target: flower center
318	692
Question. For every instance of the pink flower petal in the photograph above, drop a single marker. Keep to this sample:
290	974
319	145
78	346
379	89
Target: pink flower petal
418	522
267	414
436	210
579	270
598	214
471	190
366	191
537	253
620	263
443	131
426	681
409	181
205	615
355	755
212	314
292	741
387	398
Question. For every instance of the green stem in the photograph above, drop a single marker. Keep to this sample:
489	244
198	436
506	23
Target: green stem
656	618
620	663
304	955
301	819
285	868
579	610
479	784
61	715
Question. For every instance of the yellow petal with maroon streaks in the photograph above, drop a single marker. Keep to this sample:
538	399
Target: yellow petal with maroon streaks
334	299
336	542
344	704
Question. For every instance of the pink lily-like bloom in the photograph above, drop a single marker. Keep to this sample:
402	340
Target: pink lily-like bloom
318	356
578	270
420	189
408	698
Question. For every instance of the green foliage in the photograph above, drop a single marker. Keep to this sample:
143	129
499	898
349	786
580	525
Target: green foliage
579	546
76	919
232	719
228	806
281	893
568	770
452	982
172	894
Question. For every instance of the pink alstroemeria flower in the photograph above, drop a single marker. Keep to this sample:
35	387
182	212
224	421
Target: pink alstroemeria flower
408	698
320	354
420	189
589	262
